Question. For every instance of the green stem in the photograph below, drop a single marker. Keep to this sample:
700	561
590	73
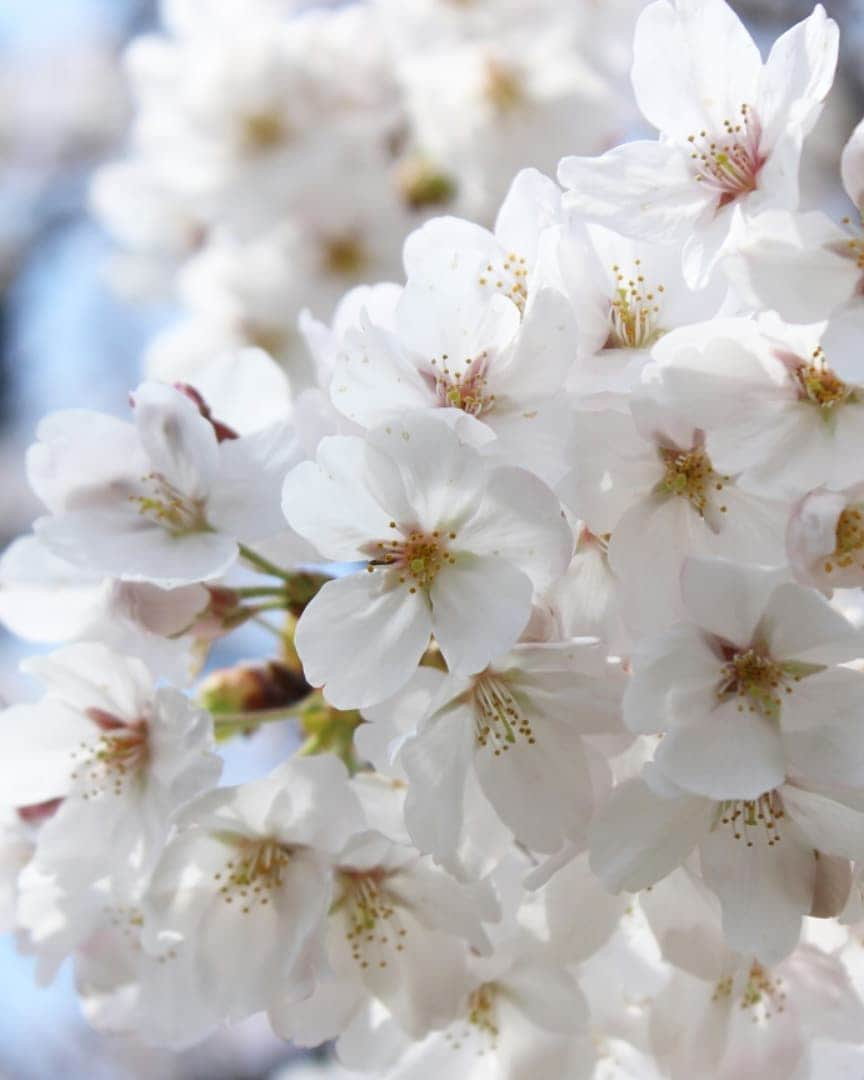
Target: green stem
264	565
225	724
249	592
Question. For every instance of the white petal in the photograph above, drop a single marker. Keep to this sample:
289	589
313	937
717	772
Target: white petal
638	837
480	606
732	755
328	502
362	638
764	891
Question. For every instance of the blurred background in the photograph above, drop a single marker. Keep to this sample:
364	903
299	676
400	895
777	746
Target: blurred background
68	338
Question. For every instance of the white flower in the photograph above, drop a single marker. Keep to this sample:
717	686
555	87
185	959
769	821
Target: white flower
515	730
626	295
160	500
804	266
731	128
764	858
122	756
453	546
648	484
777	409
461	348
720	1012
251	865
826	539
748	691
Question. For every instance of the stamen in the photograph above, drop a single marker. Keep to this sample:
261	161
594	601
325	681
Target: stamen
819	385
482	1023
116	758
463	389
634	311
510	278
690	475
730	162
250	878
167	506
499	720
849	535
374	925
417	557
753	820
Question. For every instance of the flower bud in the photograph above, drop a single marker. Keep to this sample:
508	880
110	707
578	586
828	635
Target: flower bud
250	688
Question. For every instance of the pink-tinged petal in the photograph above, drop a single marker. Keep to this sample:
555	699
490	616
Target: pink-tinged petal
727	599
362	637
643	189
731	755
480	606
638	837
764	891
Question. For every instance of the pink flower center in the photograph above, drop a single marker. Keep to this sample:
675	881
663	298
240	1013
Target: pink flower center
729	163
416	556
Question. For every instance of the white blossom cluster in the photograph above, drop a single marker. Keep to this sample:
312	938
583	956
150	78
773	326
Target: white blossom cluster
566	540
281	155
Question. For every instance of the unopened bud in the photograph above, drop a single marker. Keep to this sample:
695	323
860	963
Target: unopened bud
250	688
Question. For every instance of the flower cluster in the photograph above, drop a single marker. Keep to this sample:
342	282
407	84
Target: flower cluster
565	537
281	155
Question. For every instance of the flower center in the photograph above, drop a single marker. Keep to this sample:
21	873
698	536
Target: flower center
119	754
252	875
263	131
165	505
690	475
503	87
463	389
481	1021
757	680
760	993
510	278
374	926
498	719
818	384
849	535
417	557
729	163
343	256
754	819
633	311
